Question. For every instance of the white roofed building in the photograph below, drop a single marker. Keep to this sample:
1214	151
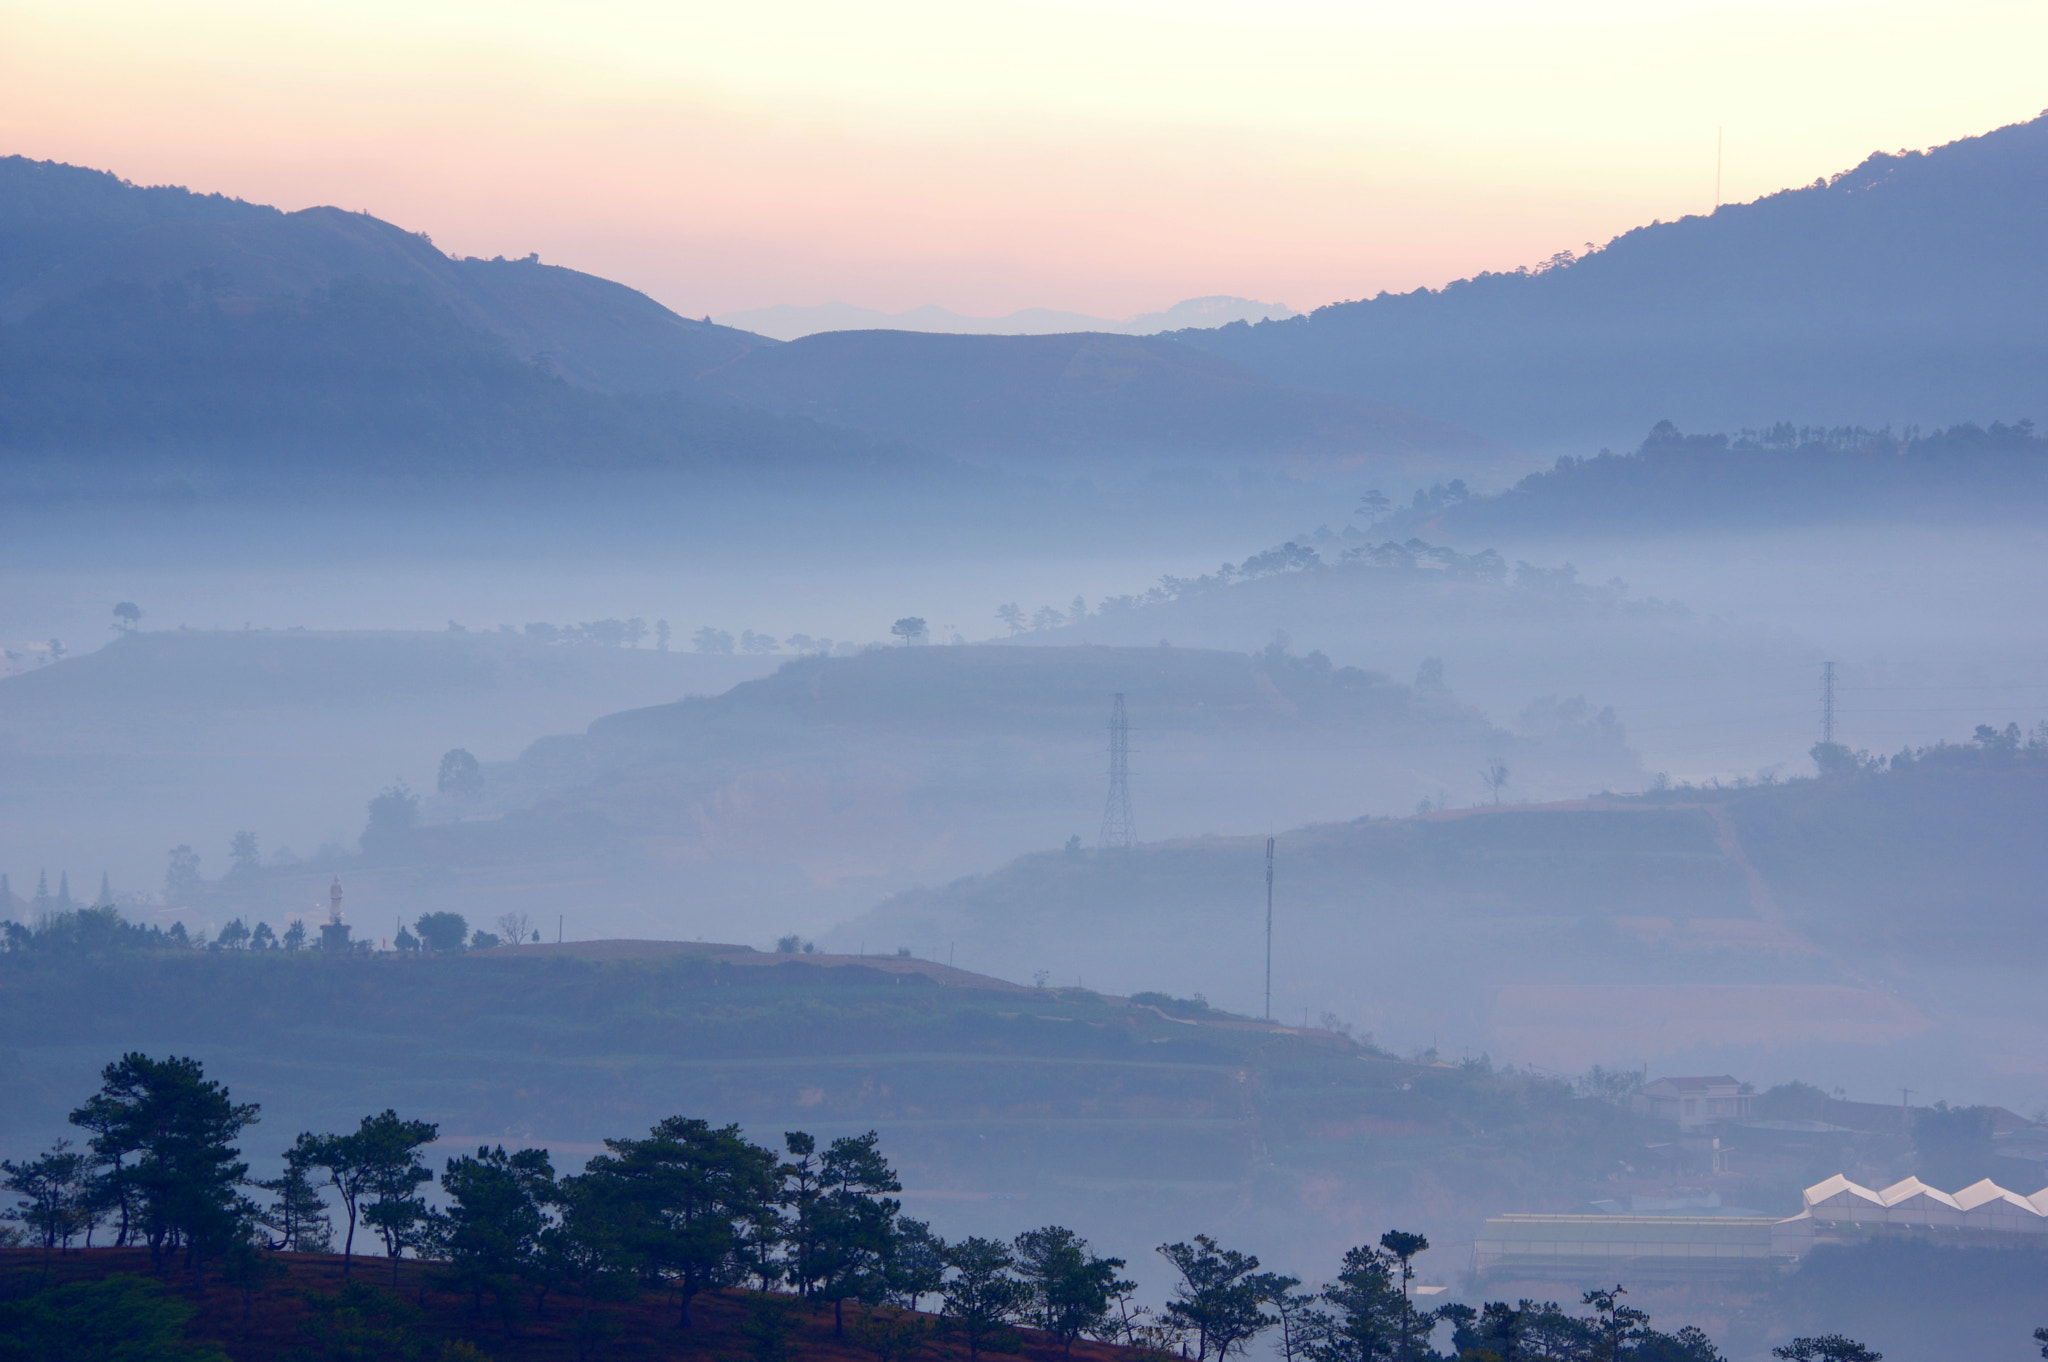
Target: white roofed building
1837	1211
1692	1103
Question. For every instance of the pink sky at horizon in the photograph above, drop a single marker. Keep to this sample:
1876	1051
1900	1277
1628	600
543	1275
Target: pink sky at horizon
1108	158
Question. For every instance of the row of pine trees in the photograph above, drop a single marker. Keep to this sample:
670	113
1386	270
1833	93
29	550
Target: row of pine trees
691	1207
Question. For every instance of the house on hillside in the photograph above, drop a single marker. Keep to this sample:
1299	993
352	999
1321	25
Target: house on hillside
1692	1103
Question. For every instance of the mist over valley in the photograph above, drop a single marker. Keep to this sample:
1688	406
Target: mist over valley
1551	764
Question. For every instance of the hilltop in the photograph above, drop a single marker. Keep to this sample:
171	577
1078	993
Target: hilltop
1584	668
1906	289
67	231
797	799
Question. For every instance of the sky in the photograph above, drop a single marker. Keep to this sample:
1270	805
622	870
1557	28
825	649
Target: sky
1109	158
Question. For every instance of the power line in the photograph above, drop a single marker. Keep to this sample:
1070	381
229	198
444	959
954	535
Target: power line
1269	929
1119	829
1827	703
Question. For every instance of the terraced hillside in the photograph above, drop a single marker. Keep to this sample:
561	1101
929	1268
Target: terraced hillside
1875	929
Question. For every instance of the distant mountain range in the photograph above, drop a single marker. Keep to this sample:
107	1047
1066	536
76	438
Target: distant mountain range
153	338
157	324
787	322
1910	289
1083	401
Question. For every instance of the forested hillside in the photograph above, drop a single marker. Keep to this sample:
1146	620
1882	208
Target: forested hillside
1782	477
67	231
125	385
157	341
1907	289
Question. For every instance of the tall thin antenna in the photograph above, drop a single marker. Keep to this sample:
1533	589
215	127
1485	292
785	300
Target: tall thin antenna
1118	828
1269	929
1717	168
1827	703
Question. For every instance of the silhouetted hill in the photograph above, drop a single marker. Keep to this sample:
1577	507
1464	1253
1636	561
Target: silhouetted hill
1910	288
1566	662
1087	399
1877	927
798	799
786	802
128	385
1134	1121
66	230
155	338
1782	477
110	758
197	332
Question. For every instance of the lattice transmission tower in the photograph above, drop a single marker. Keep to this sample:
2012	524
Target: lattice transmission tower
1118	828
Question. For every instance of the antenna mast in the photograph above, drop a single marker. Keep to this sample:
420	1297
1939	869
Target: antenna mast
1118	828
1717	169
1827	703
1269	929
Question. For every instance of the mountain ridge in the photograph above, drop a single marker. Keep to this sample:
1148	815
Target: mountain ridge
1905	289
67	230
157	317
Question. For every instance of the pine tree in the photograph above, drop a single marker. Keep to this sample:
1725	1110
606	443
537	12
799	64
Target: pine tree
299	1212
168	1135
